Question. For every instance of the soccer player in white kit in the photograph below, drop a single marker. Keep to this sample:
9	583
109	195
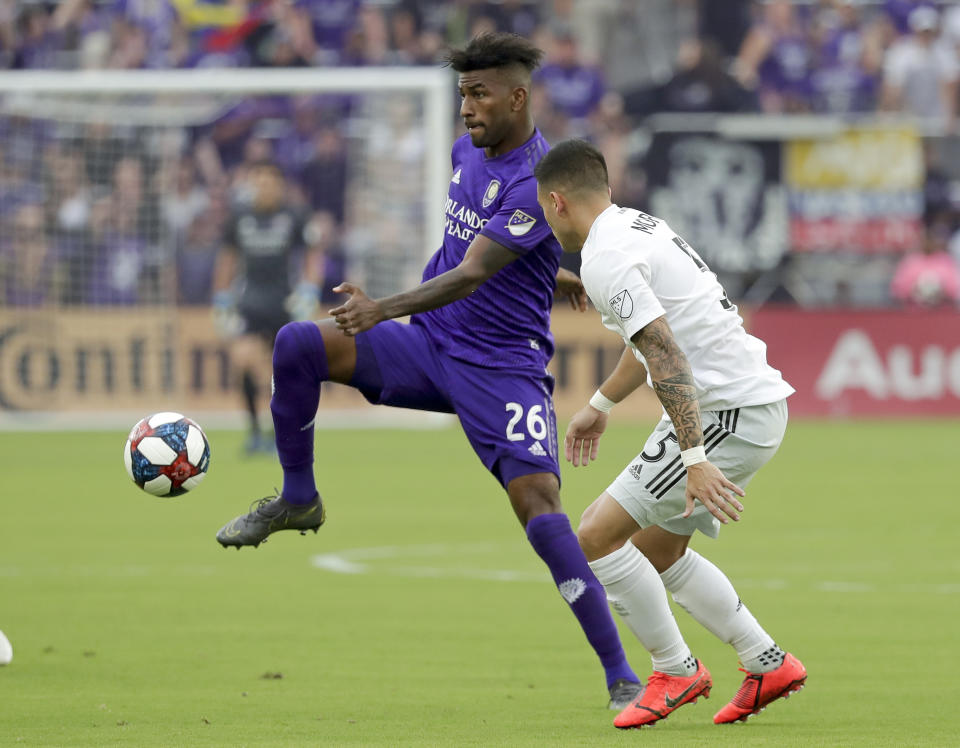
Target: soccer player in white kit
725	414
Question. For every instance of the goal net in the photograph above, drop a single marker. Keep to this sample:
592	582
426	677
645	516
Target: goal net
115	190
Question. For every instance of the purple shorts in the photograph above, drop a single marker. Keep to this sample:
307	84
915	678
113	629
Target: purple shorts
506	414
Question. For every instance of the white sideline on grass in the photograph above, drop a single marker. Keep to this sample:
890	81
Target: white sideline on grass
6	650
367	418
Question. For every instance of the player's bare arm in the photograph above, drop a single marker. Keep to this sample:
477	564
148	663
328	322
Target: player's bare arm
225	268
313	264
481	261
570	286
582	441
673	382
223	302
628	375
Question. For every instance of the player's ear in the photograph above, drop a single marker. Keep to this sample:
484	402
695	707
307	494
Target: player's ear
519	98
559	203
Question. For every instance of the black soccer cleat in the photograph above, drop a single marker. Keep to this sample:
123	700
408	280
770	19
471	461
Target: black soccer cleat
622	692
269	515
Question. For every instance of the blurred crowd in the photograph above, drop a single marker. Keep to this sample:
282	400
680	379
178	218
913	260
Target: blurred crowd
684	55
95	214
90	216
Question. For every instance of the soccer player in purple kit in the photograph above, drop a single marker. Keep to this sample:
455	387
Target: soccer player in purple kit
478	343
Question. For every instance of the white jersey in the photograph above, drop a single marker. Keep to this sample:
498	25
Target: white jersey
635	269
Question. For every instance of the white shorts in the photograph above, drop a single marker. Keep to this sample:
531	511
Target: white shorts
653	487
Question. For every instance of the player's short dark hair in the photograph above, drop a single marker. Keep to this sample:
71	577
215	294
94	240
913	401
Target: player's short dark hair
572	165
495	50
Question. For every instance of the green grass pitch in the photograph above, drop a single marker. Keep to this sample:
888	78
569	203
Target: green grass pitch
430	621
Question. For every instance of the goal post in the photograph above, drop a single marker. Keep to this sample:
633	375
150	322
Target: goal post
36	92
75	145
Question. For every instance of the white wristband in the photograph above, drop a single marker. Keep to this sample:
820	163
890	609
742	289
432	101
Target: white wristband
601	402
693	455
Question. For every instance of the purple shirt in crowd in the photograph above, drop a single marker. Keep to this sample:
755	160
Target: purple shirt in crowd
506	322
116	272
19	291
786	69
575	90
157	19
333	21
839	83
898	11
44	53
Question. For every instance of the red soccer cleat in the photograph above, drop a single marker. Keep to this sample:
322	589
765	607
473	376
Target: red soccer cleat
663	694
759	689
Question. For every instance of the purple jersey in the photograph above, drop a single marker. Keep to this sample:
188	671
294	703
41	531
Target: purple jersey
506	322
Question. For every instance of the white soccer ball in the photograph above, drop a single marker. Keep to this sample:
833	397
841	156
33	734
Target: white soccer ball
6	650
167	454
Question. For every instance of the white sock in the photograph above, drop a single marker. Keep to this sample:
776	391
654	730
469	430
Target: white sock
637	594
705	593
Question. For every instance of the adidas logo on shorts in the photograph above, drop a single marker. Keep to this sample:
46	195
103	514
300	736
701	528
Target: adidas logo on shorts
537	449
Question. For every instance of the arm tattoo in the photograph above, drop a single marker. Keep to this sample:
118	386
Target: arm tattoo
672	380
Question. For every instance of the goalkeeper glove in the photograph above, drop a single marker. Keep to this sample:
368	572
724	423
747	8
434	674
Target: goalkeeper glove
302	303
226	321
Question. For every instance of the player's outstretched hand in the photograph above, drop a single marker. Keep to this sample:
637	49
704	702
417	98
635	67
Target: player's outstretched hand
569	285
582	442
358	313
719	495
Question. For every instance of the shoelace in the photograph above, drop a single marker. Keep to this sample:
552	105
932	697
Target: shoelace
655	678
259	504
747	693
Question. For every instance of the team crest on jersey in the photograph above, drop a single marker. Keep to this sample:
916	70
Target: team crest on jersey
622	304
520	223
490	195
456	176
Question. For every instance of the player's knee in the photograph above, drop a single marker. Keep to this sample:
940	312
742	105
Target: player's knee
662	548
294	344
593	535
243	352
286	344
594	539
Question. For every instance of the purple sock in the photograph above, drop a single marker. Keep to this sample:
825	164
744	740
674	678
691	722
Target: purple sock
299	366
552	538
